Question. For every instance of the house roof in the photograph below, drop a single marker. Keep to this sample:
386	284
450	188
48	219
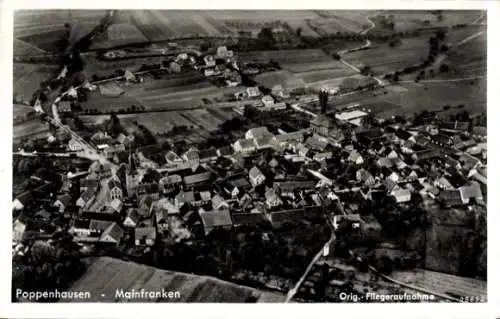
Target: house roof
147	188
145	232
247	219
172	156
291	186
185	197
197	178
65	199
263	141
87	195
257	132
271	194
208	153
294	136
322	120
100	225
451	196
89	183
171	179
25	197
114	231
401	195
246	143
254	172
317	143
112	183
216	218
473	190
226	150
133	214
164	205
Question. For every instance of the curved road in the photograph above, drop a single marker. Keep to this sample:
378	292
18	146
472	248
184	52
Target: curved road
368	18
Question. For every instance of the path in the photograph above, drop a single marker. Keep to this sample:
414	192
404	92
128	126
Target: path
368	18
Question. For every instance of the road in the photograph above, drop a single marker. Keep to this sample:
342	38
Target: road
447	80
372	25
475	35
299	283
367	44
479	19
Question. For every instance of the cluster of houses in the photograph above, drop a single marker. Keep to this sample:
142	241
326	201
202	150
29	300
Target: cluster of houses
283	178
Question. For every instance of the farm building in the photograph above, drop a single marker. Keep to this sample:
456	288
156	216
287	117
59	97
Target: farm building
353	117
216	219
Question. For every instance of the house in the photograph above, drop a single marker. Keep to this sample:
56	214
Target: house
321	125
64	107
443	183
113	234
267	101
317	142
115	189
202	198
171	157
85	198
62	202
114	207
89	183
184	198
110	151
480	131
278	218
282	141
169	183
355	157
253	92
198	179
209	60
74	145
278	91
132	218
401	195
245	219
216	219
263	142
302	150
150	189
471	191
145	236
278	106
42	214
23	200
223	52
289	189
219	202
272	198
365	177
125	139
227	188
257	132
192	155
451	197
245	146
208	155
256	177
225	151
18	229
174	67
384	162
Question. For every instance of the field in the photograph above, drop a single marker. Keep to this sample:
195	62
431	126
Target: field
441	282
160	25
27	78
408	98
405	20
384	59
107	275
345	20
203	120
24	48
29	129
287	79
349	82
43	28
301	62
119	34
22	110
468	59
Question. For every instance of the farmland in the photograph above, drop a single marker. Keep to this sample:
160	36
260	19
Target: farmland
27	78
29	129
408	98
384	59
44	28
118	34
24	48
468	59
127	275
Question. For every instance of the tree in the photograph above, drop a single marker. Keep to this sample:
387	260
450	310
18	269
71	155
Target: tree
336	56
444	68
366	70
298	32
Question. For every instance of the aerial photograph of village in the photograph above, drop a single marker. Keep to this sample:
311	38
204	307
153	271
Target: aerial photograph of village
232	156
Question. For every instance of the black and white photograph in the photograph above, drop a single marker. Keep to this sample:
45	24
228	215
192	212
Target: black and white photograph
249	156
